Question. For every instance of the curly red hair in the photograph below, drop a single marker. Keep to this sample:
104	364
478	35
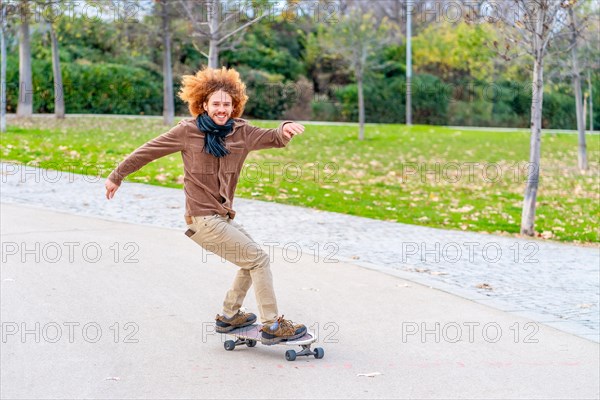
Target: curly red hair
196	89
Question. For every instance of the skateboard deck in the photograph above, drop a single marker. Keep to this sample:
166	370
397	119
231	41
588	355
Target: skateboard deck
250	335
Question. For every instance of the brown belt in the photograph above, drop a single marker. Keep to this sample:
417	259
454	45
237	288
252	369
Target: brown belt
189	220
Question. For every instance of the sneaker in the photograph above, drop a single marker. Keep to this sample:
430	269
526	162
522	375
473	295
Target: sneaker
281	330
239	320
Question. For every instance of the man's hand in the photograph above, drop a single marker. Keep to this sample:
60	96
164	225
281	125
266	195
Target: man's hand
111	189
292	129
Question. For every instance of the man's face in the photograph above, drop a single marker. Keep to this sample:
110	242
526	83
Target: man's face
219	107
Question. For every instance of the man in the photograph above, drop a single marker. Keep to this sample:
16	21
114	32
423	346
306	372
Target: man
214	145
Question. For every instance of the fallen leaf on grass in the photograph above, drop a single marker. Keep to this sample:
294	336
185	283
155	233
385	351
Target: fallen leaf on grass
370	374
463	209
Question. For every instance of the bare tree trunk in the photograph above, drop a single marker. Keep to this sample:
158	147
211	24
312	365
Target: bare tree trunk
213	44
3	72
213	54
529	201
25	104
409	63
589	79
361	108
582	151
585	102
59	98
168	99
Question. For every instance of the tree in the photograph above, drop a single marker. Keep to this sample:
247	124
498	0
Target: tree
591	100
3	10
455	51
59	99
409	56
168	98
218	26
532	25
581	33
582	151
25	104
357	37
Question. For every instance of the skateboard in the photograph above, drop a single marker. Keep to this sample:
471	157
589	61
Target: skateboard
250	335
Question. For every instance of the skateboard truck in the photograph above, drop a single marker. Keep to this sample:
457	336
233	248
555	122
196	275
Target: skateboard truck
318	352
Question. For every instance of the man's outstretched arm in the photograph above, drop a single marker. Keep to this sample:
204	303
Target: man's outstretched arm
261	138
165	144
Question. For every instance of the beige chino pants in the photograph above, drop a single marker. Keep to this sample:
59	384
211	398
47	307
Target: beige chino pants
229	240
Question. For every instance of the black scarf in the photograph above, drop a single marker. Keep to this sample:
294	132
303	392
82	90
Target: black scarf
214	142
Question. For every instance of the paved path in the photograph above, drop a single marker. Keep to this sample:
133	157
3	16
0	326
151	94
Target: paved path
549	282
99	309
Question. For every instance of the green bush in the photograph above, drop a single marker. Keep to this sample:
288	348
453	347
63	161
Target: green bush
596	99
385	100
559	111
269	95
479	103
99	88
474	113
503	114
348	100
112	89
275	48
430	100
325	109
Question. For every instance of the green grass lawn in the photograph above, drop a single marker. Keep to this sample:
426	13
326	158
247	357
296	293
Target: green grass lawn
423	175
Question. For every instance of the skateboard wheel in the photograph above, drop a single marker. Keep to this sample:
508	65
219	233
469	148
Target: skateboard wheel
319	352
290	355
251	343
229	345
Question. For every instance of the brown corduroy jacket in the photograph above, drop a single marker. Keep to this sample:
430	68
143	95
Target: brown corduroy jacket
209	182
